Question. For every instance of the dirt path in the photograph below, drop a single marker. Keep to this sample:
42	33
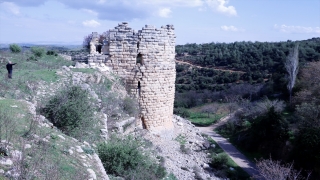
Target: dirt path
232	151
200	67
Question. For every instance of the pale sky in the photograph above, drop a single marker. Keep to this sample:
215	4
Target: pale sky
195	21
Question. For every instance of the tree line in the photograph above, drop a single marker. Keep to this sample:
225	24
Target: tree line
260	61
276	117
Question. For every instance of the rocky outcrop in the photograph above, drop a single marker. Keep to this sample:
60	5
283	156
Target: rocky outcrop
185	155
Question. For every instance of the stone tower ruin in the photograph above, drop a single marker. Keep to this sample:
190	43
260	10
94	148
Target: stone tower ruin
146	60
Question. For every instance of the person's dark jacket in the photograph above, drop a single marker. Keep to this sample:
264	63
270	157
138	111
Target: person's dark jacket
9	66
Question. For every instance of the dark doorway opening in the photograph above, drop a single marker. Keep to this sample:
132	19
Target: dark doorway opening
144	126
139	59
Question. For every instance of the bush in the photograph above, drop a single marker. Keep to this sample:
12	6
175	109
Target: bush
219	160
130	106
51	53
32	58
71	111
271	169
15	48
38	51
183	112
124	157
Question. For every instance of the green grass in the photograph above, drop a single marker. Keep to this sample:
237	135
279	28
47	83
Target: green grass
13	118
16	120
51	153
206	114
27	74
46	75
202	119
238	172
84	70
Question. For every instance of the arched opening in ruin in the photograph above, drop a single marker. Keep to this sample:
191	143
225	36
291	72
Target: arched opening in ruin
139	59
99	48
144	126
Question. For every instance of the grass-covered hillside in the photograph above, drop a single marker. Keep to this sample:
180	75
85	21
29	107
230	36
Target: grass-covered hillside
55	117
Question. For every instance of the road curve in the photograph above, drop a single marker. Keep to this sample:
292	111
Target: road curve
232	151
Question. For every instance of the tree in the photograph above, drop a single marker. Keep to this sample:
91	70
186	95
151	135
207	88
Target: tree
15	48
209	110
310	84
292	66
271	169
38	51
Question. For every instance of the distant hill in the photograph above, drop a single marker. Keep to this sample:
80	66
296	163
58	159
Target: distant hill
48	46
224	63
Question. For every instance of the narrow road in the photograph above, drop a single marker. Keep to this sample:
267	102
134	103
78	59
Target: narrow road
200	67
232	151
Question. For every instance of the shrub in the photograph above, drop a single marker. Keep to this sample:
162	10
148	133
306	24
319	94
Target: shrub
171	176
271	169
181	139
32	58
71	111
124	157
219	160
38	51
15	48
51	53
130	106
183	112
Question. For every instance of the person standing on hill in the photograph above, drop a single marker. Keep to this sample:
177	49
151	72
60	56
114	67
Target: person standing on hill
9	68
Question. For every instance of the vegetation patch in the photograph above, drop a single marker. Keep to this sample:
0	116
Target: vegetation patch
203	115
43	159
84	70
71	111
203	119
28	75
225	166
123	156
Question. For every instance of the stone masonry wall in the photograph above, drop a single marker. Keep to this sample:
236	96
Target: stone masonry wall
146	60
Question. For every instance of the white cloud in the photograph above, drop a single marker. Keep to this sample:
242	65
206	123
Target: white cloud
10	7
90	12
91	23
126	10
164	12
221	7
231	28
297	29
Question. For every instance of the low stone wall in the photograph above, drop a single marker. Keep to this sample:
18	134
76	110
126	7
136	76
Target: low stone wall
80	58
97	58
67	57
